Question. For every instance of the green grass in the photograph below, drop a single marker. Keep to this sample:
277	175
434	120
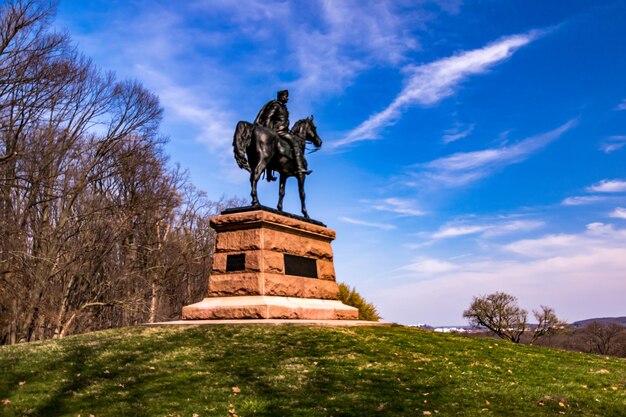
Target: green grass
255	370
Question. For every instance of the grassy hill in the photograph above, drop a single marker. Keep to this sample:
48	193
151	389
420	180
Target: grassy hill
260	370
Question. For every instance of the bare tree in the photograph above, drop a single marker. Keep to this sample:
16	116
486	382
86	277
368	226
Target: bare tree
97	229
603	338
547	323
500	314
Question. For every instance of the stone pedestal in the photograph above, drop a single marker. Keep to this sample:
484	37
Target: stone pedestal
272	266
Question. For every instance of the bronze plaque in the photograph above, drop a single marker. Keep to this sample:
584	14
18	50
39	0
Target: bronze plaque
236	262
300	266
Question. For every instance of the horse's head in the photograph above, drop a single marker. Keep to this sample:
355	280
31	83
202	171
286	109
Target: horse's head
306	129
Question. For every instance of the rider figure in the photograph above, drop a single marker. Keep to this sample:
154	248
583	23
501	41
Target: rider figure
274	115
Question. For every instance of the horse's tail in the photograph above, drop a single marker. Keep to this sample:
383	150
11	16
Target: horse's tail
241	141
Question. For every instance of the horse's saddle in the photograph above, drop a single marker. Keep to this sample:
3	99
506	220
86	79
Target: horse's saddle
283	146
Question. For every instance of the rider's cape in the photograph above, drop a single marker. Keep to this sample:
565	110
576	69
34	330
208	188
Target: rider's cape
263	112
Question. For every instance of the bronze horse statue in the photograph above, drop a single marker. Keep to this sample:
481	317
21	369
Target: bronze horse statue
258	148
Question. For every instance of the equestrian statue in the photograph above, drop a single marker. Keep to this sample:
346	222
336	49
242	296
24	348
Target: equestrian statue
267	145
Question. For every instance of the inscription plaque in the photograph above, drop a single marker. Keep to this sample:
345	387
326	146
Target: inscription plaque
236	262
300	266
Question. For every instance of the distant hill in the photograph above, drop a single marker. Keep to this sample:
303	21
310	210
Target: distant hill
604	320
305	371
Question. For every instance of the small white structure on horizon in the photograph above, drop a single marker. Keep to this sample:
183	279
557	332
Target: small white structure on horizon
451	330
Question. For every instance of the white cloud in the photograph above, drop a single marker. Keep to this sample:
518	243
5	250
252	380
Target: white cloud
316	49
583	200
562	271
596	234
146	42
430	266
325	44
456	231
432	82
381	226
618	213
487	230
613	143
515	226
457	133
608	186
399	206
214	126
353	35
371	27
465	167
622	105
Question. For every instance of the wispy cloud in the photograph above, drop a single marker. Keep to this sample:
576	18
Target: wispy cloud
457	133
487	230
399	206
432	82
516	226
567	244
325	44
146	41
456	231
618	213
355	35
603	190
212	124
430	266
564	267
583	200
357	222
608	186
621	106
465	167
613	143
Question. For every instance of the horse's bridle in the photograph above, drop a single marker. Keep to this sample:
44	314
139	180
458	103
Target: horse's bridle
310	151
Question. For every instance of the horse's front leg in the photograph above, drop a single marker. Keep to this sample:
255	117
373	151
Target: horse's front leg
255	174
302	195
281	191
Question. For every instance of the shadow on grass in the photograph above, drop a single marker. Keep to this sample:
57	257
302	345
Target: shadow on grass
326	372
295	371
95	377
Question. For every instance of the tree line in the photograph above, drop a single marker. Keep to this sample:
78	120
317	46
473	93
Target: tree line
97	230
501	316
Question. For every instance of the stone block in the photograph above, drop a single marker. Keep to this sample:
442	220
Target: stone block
255	307
254	261
235	284
219	263
346	314
325	270
292	286
238	240
294	244
327	290
274	262
252	219
225	313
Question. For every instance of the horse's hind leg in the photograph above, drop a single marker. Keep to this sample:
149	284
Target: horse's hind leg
281	191
302	195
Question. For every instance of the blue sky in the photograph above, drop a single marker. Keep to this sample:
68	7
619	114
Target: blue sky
469	147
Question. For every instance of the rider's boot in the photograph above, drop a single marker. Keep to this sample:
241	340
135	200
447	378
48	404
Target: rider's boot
300	164
269	176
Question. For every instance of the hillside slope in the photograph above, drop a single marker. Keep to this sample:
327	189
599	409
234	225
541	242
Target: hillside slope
248	370
604	320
